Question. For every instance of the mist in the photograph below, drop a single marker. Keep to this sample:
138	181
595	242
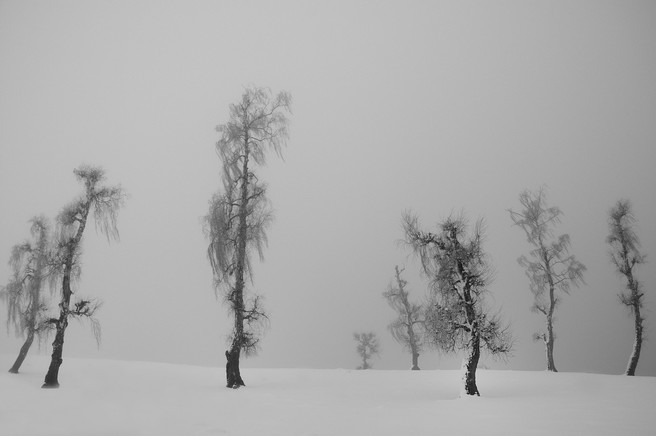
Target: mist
434	107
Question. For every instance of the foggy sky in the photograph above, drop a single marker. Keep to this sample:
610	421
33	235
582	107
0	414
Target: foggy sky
435	107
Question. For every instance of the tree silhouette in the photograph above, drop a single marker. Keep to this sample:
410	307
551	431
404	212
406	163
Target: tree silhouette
457	318
26	306
105	203
625	255
407	328
367	347
549	266
239	216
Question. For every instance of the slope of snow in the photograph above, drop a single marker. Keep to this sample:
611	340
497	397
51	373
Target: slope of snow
134	398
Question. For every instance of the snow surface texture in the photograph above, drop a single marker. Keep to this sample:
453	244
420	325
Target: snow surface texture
99	397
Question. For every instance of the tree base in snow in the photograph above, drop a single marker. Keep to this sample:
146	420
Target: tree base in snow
233	375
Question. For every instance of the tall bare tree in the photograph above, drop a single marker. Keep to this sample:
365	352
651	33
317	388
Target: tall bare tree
239	216
458	268
367	346
407	328
26	306
625	255
549	266
105	202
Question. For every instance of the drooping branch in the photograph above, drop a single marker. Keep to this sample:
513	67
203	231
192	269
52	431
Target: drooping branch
104	202
240	215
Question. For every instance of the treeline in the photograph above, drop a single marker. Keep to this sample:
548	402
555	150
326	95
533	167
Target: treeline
454	318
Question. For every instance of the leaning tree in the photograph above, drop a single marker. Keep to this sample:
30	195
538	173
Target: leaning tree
625	255
459	272
407	328
104	202
238	216
550	267
26	306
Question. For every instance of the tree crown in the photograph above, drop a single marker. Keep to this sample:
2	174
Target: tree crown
459	270
549	265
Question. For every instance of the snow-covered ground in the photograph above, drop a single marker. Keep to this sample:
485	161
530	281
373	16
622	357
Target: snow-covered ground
100	397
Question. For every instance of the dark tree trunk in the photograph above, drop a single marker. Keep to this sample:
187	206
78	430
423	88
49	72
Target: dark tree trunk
635	305
549	345
52	377
23	352
475	341
637	345
233	374
551	338
472	364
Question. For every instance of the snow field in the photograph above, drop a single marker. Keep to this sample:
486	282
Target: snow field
100	397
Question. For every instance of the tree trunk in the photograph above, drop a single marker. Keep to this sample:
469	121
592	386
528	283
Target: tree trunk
233	374
472	364
549	343
550	339
475	341
415	361
23	352
52	377
637	345
414	349
635	305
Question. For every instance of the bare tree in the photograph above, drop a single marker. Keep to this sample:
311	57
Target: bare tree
26	306
625	255
367	347
457	319
239	216
71	222
549	266
407	328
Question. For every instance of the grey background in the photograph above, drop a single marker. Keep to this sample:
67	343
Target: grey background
438	107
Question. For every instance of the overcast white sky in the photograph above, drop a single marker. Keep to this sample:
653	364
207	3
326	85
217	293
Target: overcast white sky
430	106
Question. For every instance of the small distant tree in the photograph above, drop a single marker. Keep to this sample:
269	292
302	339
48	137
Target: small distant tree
407	328
240	215
26	305
367	347
549	266
458	268
105	203
625	255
